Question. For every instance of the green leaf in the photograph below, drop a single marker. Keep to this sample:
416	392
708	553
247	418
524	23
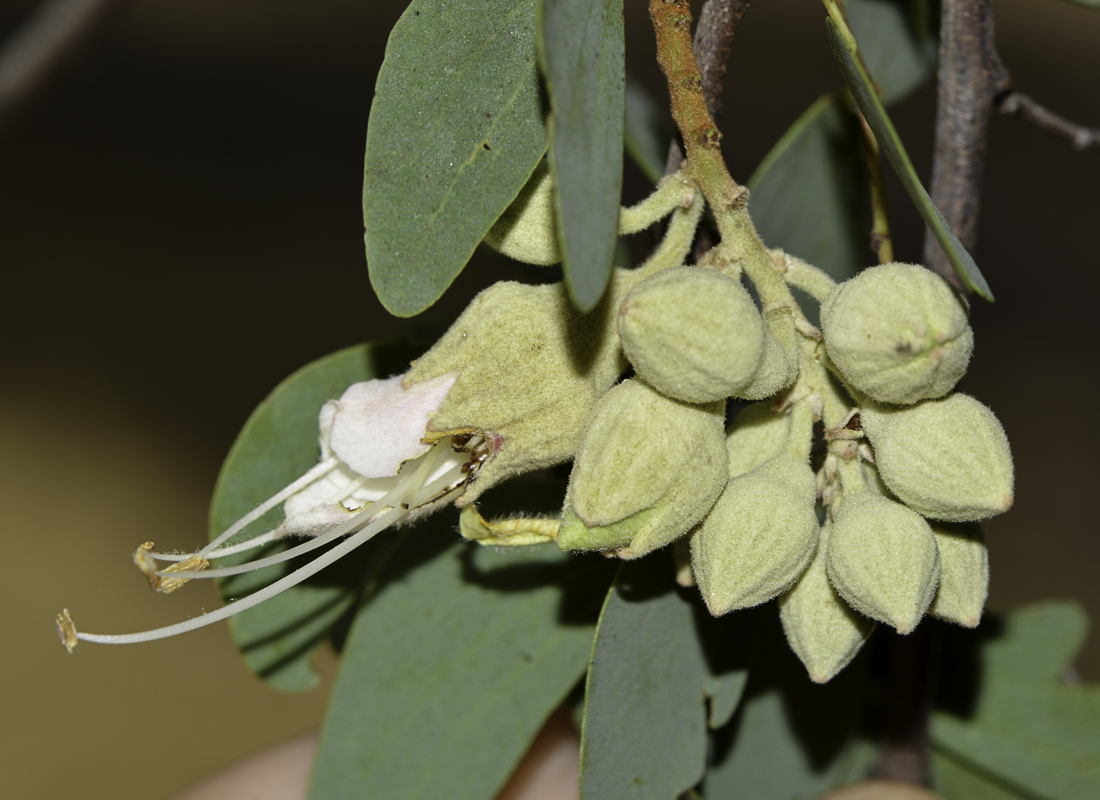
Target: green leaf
898	42
890	142
1010	715
956	781
278	444
455	131
791	738
453	665
582	52
645	720
810	194
648	130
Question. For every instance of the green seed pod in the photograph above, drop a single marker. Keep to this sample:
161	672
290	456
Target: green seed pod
759	537
758	434
693	334
882	560
648	470
779	364
947	459
527	229
898	333
529	368
823	630
964	573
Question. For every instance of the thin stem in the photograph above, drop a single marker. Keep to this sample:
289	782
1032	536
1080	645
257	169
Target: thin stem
1018	104
882	244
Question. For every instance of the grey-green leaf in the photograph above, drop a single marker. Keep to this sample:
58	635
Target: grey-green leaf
1013	717
453	665
898	42
810	194
582	52
277	444
456	129
957	781
867	100
648	130
645	723
790	738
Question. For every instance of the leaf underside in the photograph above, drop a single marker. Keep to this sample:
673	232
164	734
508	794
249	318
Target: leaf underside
582	53
645	724
647	130
456	129
898	42
278	443
453	664
864	93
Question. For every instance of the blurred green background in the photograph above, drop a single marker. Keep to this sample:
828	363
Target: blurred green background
180	229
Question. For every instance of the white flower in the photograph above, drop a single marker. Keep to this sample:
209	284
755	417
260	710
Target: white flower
378	468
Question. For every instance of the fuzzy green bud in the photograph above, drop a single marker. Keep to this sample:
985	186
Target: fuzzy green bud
964	573
648	470
823	630
758	434
759	537
529	369
947	459
898	333
779	364
693	334
882	560
527	230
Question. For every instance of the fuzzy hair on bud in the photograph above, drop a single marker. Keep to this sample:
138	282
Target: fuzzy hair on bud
964	573
693	334
647	471
823	630
758	434
529	368
527	230
898	333
947	459
759	537
882	560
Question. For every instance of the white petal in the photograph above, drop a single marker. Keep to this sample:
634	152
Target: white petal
379	425
324	422
316	521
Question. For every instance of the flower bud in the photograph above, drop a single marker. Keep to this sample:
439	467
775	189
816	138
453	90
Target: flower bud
779	364
964	573
898	333
693	334
528	368
648	469
882	560
947	459
527	230
758	434
823	630
759	536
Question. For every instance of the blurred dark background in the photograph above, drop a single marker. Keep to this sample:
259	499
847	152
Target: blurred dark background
180	229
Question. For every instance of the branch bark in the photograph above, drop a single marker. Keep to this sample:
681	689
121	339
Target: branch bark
33	53
971	76
1018	104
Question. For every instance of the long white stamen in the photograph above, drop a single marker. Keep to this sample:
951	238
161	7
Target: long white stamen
245	603
413	487
321	469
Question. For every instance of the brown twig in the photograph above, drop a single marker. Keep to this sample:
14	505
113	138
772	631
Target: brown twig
713	36
971	76
32	54
882	244
1018	104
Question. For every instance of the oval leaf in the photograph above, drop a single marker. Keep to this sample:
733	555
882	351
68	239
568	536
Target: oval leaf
810	194
455	131
278	443
898	42
453	665
582	53
645	719
867	100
